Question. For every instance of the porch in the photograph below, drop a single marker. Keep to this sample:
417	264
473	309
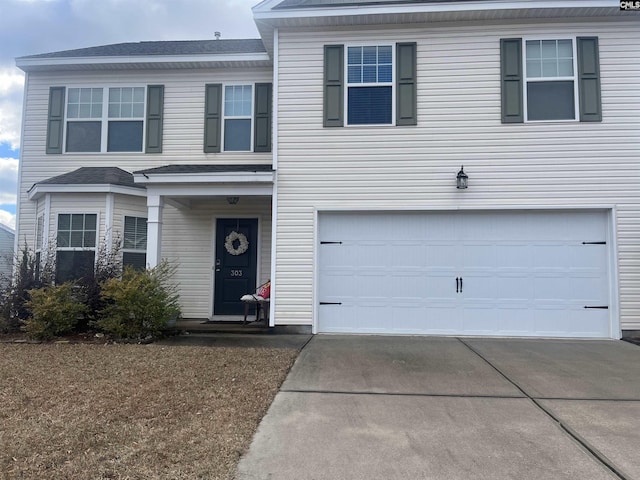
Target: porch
213	222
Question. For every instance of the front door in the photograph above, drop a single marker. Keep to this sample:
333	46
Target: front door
235	264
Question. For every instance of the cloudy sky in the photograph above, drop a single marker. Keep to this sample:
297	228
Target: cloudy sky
38	26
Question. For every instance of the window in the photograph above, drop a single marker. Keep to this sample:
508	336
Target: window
134	246
550	80
39	243
550	86
76	242
39	232
237	118
105	123
369	85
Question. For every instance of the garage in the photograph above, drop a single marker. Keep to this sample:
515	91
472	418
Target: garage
506	273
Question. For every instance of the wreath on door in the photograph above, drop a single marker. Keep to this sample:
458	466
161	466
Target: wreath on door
236	243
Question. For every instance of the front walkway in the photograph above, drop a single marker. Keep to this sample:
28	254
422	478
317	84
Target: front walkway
373	407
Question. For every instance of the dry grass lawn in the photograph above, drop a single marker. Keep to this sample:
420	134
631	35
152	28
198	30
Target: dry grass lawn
132	411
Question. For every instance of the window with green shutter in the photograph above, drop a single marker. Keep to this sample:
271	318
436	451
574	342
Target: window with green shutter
237	117
377	76
550	79
105	119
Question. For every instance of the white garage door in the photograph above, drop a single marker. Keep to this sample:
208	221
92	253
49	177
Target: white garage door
482	273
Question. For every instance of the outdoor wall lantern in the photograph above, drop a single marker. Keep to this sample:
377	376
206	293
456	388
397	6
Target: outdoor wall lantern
462	179
233	200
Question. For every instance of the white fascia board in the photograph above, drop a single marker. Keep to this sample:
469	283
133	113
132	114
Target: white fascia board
39	190
444	7
216	190
27	63
193	178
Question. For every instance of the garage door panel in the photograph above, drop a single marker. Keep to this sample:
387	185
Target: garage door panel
523	273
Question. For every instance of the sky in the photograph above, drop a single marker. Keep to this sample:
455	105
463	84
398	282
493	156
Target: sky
30	27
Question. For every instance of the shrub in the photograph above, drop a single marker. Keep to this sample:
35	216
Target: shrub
108	265
31	271
54	311
139	305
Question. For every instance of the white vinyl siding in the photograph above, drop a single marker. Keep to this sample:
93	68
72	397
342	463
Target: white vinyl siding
182	133
546	164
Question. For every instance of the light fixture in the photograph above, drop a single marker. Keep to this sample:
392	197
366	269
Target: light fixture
462	179
233	200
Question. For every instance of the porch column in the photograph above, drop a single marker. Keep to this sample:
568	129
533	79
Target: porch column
154	230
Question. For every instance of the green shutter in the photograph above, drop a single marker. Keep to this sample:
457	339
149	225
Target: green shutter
155	108
406	85
589	80
55	120
212	117
262	118
333	85
511	80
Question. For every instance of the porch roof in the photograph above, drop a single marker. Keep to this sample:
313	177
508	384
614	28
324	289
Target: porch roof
204	180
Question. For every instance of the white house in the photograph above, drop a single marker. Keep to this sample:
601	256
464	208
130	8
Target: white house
324	156
7	239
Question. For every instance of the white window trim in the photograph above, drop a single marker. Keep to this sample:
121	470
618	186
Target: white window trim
574	78
133	250
251	118
79	249
376	84
104	132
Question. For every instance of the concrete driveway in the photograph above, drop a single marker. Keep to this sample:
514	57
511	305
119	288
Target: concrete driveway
375	407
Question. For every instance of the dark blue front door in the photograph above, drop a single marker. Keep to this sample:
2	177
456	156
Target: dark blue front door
235	265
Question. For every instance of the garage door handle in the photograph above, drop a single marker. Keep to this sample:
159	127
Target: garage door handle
460	284
457	285
603	307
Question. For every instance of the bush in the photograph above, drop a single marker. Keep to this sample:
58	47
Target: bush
54	311
139	305
32	271
108	265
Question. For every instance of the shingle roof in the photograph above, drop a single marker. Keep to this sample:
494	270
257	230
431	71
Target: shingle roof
184	47
94	176
347	3
169	169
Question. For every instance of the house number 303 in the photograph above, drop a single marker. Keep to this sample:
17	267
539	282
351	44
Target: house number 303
236	273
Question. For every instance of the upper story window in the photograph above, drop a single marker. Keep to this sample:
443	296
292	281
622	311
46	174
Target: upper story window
238	113
237	117
105	123
553	79
551	92
370	85
97	119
